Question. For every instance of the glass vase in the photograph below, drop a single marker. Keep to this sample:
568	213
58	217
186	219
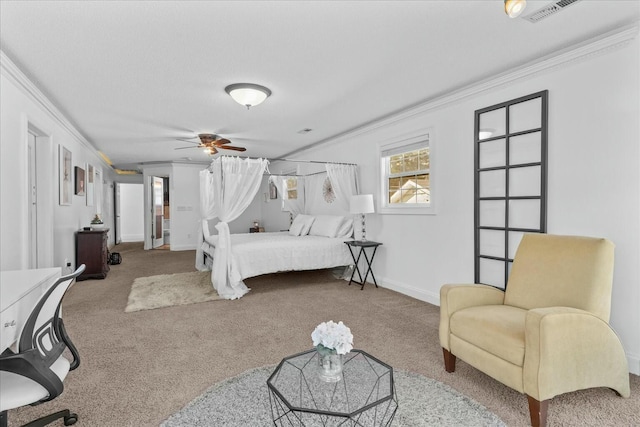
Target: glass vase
330	366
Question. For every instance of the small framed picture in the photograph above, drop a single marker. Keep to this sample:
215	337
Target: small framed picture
80	182
90	176
65	178
273	191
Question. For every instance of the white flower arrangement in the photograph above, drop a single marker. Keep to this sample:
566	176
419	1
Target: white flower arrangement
331	337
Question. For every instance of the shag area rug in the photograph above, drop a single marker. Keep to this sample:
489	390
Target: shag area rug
167	290
244	401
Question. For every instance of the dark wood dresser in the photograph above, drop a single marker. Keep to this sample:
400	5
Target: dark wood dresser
92	251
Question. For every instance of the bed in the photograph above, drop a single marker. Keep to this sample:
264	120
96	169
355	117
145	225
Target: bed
303	247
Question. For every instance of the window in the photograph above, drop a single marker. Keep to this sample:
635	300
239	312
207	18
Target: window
406	173
291	186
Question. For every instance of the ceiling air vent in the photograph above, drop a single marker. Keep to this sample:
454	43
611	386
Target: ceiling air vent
549	10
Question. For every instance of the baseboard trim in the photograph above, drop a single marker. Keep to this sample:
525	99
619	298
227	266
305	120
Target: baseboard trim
132	238
634	363
182	247
403	288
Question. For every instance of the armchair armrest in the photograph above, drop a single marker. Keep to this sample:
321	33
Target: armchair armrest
456	297
568	349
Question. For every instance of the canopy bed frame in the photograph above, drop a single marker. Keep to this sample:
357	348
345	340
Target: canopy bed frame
228	186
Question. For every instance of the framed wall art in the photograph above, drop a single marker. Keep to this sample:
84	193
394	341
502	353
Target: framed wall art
90	177
80	182
273	191
65	179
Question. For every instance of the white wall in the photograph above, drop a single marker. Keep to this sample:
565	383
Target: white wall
131	212
23	106
184	197
594	180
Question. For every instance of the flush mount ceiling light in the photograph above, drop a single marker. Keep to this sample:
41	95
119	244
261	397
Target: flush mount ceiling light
248	94
513	8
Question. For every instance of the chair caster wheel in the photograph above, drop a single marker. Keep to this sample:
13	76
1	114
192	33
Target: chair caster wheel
70	419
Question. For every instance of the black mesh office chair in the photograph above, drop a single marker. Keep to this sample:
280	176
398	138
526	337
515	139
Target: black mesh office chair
35	373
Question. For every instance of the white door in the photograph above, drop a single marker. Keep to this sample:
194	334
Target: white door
33	202
116	208
157	215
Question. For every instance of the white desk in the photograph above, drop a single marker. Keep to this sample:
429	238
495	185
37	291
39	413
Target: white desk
20	290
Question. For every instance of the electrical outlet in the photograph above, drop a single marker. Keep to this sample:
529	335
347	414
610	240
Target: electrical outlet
67	265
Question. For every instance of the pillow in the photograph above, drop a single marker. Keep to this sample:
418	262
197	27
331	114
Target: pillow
346	229
326	225
301	225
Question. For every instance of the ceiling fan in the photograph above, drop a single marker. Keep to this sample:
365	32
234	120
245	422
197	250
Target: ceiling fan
211	143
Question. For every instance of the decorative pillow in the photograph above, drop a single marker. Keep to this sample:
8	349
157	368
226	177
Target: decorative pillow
346	229
326	225
301	225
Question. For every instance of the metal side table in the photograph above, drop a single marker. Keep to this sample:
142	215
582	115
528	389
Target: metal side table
362	244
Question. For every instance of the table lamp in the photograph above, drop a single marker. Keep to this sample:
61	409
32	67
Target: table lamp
361	204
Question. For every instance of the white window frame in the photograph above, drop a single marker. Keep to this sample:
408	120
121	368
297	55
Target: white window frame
425	139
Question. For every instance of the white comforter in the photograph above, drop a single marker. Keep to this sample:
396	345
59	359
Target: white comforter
254	254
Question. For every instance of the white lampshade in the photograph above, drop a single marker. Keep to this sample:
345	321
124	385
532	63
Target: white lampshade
361	204
248	94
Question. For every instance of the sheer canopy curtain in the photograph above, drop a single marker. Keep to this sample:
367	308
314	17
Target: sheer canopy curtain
344	180
295	206
230	187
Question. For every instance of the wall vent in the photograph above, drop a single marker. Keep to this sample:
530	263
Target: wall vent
548	10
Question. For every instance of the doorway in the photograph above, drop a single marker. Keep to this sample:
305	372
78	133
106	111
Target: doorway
129	212
160	215
39	232
33	200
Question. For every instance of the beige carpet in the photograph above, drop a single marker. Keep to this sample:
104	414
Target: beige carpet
166	290
140	368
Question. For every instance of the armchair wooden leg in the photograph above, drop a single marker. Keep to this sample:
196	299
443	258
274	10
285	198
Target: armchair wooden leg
538	411
449	360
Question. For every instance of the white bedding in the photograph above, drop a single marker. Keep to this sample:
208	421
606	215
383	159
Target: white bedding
254	254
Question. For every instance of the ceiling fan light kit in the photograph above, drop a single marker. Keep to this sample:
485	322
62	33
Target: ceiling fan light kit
248	94
514	8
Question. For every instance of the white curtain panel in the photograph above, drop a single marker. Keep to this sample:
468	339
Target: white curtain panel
207	211
226	192
344	180
314	201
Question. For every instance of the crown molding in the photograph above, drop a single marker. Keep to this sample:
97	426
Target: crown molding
9	69
596	46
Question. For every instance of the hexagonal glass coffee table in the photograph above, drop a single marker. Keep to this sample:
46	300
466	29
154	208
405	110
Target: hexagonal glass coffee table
365	396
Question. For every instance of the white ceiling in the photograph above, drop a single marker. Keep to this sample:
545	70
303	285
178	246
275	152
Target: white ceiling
133	76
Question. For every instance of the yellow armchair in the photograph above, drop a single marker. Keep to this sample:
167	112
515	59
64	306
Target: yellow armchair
548	333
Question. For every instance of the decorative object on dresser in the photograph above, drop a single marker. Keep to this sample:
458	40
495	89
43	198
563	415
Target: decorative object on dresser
91	250
96	222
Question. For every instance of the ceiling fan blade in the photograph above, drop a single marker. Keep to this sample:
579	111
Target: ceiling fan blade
231	147
189	140
187	148
212	150
221	141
